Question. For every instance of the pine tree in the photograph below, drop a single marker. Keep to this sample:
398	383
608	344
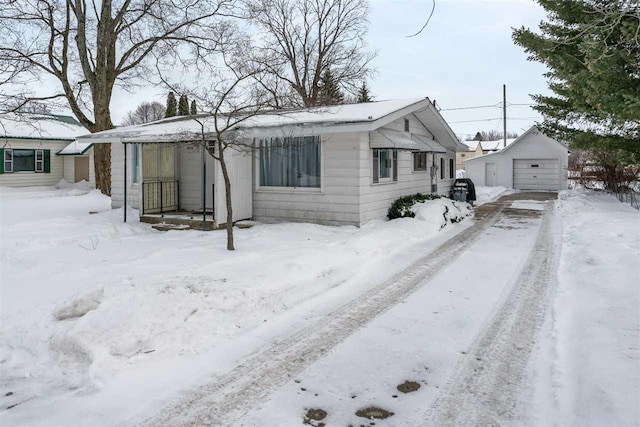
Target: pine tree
478	137
194	109
172	106
363	93
329	93
183	106
591	50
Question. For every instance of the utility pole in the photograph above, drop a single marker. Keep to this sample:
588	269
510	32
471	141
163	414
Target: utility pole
504	115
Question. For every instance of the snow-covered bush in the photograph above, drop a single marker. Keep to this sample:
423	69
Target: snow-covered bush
80	304
401	207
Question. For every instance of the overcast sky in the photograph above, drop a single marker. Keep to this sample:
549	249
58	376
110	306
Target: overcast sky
461	59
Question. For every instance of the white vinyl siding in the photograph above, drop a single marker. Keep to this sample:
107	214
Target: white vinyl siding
36	179
117	178
337	201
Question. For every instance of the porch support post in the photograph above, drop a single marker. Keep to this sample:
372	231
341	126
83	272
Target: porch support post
204	187
125	182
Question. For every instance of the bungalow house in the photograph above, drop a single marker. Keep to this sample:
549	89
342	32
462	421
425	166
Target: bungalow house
40	150
338	165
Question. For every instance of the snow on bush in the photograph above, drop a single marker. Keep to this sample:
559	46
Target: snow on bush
441	211
80	304
401	207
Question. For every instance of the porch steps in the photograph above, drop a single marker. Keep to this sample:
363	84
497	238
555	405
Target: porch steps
186	224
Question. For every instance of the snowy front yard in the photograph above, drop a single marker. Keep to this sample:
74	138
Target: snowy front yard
164	310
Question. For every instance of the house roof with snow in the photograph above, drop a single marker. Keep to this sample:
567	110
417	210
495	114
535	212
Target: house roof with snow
39	126
330	119
488	145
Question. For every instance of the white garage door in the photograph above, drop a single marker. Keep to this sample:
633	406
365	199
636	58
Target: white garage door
535	174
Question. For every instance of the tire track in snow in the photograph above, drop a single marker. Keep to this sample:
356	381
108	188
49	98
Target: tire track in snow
484	386
229	396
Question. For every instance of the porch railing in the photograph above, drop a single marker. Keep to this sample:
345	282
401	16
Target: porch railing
160	196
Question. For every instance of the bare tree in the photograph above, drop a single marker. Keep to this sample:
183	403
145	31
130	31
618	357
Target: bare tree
82	50
233	95
306	37
145	112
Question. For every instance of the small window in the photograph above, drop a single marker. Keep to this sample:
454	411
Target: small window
39	166
135	163
406	125
441	167
452	173
462	155
419	161
385	165
535	166
8	160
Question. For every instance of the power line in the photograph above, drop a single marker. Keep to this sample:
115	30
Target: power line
498	105
497	118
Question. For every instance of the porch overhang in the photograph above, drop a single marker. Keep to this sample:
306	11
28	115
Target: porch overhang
383	138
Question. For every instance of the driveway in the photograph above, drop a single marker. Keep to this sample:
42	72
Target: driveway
444	342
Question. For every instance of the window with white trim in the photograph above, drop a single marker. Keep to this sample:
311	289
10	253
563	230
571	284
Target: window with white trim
8	160
290	162
419	162
385	165
442	168
406	125
39	162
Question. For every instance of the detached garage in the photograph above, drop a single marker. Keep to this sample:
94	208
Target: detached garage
532	162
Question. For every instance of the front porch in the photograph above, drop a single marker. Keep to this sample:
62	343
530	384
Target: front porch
174	185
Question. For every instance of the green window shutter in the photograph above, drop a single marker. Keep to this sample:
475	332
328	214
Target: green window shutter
47	161
1	160
376	171
395	165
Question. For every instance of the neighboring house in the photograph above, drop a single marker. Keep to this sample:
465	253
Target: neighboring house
332	165
479	148
39	150
532	162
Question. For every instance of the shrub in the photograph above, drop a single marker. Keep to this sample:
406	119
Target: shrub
401	207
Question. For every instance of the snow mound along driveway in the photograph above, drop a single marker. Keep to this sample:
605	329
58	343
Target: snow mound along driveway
167	297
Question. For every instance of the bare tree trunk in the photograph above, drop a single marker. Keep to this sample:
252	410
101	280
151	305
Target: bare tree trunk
227	195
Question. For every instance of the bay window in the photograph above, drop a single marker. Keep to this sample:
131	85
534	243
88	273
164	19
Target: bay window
290	162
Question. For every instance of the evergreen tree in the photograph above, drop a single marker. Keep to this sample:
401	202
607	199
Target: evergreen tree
194	109
478	137
592	51
183	106
172	106
363	93
329	93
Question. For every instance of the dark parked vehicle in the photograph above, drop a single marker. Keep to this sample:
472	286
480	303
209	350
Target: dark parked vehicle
463	190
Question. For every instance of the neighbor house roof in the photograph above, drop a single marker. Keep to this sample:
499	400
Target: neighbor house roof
488	145
40	126
338	118
74	148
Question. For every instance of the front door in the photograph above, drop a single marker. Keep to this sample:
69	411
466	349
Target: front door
490	174
81	169
160	185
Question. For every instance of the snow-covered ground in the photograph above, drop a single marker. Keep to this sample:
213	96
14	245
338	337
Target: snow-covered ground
97	314
490	194
586	369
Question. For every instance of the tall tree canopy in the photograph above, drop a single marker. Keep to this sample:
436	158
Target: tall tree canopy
183	106
363	93
329	93
82	50
307	37
592	50
194	109
145	112
172	105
